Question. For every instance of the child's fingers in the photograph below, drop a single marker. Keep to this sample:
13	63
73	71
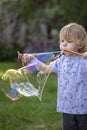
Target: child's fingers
27	58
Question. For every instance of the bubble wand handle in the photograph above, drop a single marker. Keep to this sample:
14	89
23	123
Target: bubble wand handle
76	53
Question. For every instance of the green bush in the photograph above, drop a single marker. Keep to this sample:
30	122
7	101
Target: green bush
8	54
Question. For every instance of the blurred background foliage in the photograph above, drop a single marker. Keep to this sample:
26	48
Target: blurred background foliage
31	22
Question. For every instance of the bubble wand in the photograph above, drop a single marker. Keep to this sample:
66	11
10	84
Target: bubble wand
73	52
25	88
19	82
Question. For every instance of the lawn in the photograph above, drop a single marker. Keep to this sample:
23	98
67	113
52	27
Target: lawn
29	113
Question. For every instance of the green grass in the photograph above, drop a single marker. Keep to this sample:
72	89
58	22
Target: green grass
29	113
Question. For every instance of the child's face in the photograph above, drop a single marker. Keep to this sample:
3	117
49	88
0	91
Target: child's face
70	45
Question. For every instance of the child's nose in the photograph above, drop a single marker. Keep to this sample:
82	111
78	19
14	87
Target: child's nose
64	43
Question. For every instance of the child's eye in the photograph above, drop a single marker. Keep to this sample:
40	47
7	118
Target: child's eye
69	41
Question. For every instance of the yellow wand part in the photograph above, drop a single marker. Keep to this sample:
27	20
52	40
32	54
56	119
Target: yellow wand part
12	74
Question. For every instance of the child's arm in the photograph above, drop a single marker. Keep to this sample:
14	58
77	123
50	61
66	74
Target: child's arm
39	65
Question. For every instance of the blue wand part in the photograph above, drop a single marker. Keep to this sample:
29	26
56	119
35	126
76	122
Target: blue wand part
13	93
45	57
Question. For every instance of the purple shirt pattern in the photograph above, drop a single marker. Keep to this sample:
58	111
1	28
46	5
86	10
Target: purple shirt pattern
72	84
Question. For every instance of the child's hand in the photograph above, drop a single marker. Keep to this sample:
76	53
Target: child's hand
85	55
27	58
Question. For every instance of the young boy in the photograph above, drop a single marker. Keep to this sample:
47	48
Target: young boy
72	76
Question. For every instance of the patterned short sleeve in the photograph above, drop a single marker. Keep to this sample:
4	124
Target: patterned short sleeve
55	65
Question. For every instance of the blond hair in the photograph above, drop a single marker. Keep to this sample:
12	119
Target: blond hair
76	33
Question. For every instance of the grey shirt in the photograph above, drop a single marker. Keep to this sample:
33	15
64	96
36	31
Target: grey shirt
72	84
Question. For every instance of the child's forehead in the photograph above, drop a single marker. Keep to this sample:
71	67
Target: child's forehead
69	33
66	35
